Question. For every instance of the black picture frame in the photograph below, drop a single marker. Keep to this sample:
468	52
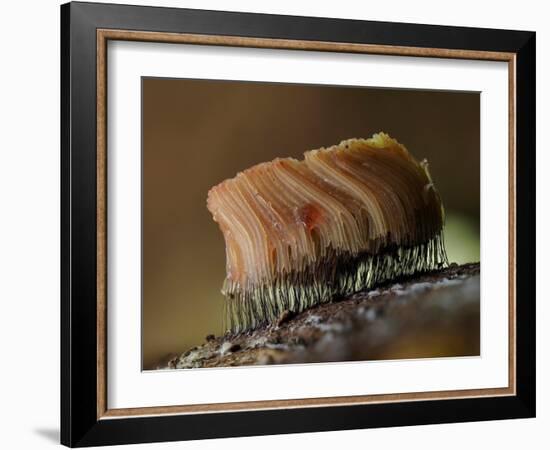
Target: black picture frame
80	425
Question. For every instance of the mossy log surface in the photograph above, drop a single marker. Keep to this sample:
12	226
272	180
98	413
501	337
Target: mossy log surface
434	314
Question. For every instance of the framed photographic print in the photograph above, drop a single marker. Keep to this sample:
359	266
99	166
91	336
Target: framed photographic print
276	224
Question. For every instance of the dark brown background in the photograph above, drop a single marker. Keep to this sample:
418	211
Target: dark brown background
196	133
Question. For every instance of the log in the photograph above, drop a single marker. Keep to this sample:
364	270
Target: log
434	314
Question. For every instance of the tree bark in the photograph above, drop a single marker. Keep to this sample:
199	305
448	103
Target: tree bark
429	315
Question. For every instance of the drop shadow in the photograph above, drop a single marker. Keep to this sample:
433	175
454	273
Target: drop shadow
50	434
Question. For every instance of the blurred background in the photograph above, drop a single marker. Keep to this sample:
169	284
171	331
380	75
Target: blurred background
196	133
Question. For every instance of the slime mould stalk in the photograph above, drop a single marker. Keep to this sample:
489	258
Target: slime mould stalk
302	233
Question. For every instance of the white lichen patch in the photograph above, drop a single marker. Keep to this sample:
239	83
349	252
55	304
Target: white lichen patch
312	320
420	287
448	282
257	342
317	322
274	346
336	327
371	314
373	293
416	288
194	358
225	348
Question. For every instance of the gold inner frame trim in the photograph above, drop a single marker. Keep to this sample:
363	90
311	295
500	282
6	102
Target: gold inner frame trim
103	36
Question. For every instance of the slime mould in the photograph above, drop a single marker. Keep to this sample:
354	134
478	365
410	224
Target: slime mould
343	219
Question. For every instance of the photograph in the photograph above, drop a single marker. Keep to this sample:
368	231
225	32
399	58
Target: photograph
306	223
281	223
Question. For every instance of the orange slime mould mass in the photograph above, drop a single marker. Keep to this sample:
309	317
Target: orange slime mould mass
342	220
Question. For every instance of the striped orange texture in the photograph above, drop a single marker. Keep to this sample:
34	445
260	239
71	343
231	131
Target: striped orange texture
303	232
